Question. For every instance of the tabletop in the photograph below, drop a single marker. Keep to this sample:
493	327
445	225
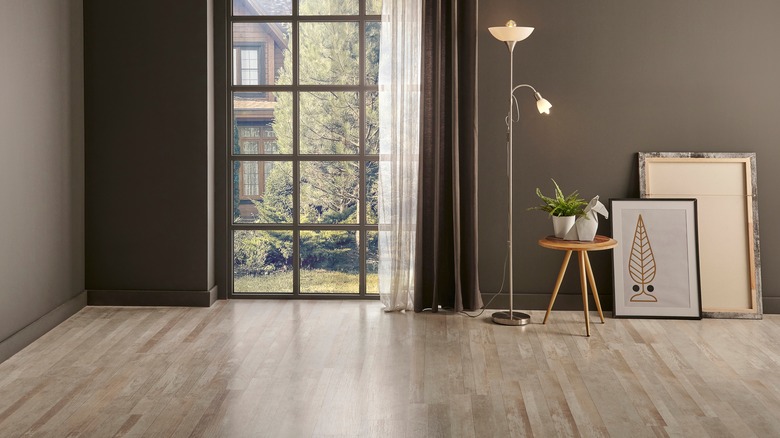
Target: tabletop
597	244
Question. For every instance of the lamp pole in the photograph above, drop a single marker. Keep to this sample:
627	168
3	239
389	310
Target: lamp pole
511	317
509	123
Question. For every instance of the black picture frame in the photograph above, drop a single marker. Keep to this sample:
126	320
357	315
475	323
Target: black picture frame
656	262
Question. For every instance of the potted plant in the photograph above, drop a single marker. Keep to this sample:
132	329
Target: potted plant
563	209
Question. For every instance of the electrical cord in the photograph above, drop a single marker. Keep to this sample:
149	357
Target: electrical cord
503	280
509	119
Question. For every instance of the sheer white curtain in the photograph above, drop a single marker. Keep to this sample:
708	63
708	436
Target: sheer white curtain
399	143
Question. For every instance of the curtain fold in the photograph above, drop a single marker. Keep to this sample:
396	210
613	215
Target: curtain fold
399	147
446	269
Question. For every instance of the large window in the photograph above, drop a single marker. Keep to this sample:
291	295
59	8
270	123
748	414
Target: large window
304	147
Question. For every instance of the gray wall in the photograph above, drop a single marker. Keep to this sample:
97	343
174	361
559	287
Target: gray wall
149	150
41	168
623	77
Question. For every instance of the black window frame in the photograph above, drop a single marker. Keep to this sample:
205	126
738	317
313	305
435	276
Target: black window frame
363	228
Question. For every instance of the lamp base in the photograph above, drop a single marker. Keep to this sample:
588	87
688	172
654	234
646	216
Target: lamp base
516	318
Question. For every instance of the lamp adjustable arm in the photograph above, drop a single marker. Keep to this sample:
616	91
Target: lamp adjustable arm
527	86
542	104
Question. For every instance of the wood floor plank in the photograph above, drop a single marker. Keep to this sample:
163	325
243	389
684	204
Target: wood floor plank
346	368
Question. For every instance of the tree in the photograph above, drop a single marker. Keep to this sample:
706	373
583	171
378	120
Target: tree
328	54
276	207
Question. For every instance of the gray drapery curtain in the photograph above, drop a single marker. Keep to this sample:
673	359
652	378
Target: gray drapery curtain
446	260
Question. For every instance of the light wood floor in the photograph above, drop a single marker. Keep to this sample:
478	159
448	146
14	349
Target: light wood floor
333	368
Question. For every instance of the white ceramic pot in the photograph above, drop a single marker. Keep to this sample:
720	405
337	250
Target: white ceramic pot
562	225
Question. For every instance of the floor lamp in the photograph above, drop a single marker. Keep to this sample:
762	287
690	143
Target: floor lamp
511	34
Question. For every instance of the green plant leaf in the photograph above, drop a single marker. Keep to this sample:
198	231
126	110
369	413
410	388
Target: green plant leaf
560	205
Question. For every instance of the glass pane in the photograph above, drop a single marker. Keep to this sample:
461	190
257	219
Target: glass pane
372	263
372	194
261	54
374	7
329	53
328	7
372	122
262	192
262	7
262	261
372	52
330	262
329	123
329	192
262	123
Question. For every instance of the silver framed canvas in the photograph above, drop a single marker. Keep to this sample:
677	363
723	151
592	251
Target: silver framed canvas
656	262
725	186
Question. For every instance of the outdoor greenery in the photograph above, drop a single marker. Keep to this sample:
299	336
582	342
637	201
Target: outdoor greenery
312	281
261	252
329	189
328	7
265	257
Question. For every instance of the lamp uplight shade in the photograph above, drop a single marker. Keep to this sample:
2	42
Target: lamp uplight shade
510	32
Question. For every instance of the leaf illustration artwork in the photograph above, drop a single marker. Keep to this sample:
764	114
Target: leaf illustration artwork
641	265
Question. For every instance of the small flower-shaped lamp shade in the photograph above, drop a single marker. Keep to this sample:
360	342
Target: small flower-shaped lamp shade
542	104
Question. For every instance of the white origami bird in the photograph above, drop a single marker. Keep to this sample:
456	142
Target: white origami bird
585	227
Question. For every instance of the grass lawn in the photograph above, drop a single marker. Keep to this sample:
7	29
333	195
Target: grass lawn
312	281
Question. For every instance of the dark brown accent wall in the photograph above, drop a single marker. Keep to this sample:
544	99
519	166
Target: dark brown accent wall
149	150
622	77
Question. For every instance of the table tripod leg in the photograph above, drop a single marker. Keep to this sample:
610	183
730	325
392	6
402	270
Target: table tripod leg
593	286
558	282
584	287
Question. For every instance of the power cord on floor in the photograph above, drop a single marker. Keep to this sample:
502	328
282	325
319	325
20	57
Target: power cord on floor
503	280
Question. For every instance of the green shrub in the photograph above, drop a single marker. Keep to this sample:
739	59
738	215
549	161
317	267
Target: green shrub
261	252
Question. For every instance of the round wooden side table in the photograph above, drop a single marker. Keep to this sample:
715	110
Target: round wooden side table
599	243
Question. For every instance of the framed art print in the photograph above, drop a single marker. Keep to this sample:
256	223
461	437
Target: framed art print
656	263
